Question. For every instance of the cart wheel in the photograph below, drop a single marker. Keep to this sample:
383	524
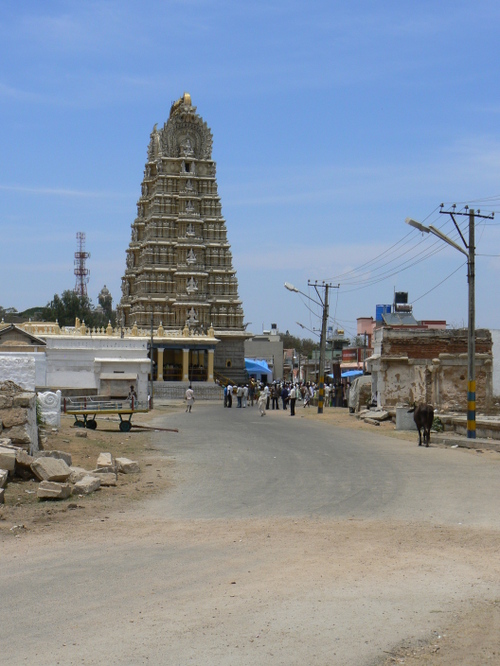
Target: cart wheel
91	424
79	424
125	426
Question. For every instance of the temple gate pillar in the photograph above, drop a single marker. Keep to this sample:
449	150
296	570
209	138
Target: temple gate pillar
210	377
185	365
159	361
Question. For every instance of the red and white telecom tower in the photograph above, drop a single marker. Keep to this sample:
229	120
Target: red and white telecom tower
81	271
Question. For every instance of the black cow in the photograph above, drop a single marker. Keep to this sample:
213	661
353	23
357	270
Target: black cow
423	415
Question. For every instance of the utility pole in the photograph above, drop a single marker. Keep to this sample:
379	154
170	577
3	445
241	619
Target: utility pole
322	349
471	338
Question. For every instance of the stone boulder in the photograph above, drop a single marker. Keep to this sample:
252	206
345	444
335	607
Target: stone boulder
8	457
4	475
77	473
53	490
87	485
105	460
25	400
126	466
50	469
59	455
106	478
23	465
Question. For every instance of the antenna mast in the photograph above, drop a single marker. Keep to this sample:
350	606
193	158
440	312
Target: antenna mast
82	273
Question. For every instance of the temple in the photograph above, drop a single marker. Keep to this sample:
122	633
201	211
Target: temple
179	280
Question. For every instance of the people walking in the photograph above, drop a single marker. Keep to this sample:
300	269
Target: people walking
251	393
264	394
189	398
275	397
284	397
244	399
229	395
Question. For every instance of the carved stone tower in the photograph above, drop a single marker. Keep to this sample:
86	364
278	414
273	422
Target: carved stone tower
179	266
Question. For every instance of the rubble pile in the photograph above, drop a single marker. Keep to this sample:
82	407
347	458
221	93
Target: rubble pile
53	469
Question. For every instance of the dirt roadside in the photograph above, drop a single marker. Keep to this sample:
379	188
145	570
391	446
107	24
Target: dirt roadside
23	512
470	636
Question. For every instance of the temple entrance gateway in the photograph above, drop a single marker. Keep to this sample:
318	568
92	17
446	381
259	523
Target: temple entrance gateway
179	274
198	365
172	365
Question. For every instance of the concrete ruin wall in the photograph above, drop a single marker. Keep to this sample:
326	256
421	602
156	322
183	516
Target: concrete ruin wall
431	366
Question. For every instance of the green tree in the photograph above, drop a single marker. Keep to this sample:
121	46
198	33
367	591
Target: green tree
303	346
67	307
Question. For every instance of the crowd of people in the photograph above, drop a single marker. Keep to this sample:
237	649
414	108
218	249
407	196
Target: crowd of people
286	394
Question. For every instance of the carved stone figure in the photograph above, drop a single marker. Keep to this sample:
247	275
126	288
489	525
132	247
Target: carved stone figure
192	285
187	148
191	256
192	317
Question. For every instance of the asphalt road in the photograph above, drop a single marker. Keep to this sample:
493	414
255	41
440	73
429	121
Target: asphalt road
235	464
281	541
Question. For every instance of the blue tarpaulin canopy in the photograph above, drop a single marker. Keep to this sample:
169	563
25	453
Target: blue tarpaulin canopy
352	373
253	367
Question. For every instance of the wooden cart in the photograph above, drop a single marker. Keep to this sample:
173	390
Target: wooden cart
85	411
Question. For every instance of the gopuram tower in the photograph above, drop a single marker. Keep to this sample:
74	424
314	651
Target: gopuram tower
179	279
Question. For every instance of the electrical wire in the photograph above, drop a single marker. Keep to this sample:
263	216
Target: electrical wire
440	283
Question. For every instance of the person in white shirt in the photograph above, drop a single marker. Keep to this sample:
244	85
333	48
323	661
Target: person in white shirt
264	394
292	396
189	398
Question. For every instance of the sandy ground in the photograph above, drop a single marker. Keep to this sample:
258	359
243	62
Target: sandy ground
465	632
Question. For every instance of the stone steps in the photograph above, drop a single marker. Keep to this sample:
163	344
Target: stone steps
177	390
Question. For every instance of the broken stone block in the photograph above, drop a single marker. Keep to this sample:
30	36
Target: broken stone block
106	478
50	469
24	400
371	421
378	415
60	455
21	435
100	470
105	460
5	401
81	433
13	417
4	475
23	465
77	473
2	496
7	458
53	490
126	466
86	485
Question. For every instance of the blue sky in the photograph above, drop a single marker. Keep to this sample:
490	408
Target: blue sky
332	122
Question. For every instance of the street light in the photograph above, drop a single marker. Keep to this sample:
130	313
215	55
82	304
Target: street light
471	340
324	305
